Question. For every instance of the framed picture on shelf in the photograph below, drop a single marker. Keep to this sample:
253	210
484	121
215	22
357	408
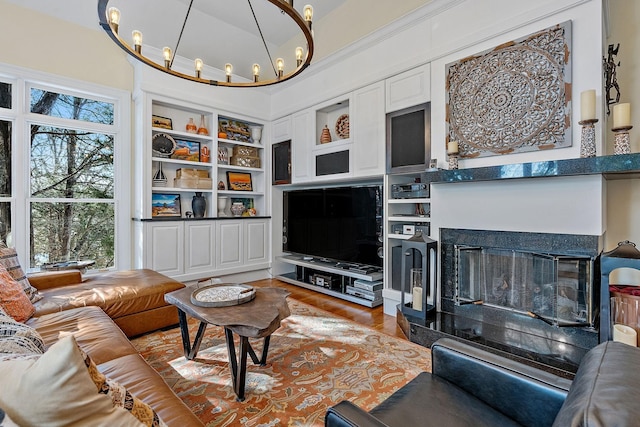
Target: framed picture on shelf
161	122
239	181
165	205
234	130
186	150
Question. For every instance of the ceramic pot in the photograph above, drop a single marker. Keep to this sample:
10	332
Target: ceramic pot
325	136
198	205
222	206
237	208
256	134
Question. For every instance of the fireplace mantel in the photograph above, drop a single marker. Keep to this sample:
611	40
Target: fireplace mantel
620	166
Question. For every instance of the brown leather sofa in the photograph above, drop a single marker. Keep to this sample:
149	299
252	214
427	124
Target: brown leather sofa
99	311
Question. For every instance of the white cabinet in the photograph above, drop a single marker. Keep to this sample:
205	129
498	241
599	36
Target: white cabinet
200	247
164	247
281	129
410	88
190	250
368	131
241	243
301	141
229	244
256	241
355	147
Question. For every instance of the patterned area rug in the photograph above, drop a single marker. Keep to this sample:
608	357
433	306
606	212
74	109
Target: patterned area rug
315	360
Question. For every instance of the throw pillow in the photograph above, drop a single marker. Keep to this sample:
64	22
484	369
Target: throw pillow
9	259
57	389
13	299
18	338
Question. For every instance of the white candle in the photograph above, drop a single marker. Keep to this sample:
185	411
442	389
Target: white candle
417	298
588	105
621	115
625	334
452	148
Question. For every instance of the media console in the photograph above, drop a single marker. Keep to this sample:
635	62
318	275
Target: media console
358	283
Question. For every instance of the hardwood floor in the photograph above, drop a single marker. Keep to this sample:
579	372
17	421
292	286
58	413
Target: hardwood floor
371	317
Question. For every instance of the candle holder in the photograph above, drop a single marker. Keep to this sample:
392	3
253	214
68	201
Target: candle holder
588	138
622	145
453	160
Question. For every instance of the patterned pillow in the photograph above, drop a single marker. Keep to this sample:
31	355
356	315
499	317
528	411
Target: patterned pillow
9	259
18	338
120	396
68	390
12	298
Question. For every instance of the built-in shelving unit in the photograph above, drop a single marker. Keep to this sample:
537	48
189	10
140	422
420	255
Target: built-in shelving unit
175	162
332	277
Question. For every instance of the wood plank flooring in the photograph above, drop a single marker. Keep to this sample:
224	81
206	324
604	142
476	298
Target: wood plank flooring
371	317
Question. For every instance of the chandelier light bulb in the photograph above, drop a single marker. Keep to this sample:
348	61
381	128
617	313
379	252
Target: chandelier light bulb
114	17
299	53
166	54
228	69
308	13
198	63
256	72
280	66
137	40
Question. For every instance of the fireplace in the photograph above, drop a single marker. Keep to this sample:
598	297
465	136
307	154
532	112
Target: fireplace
550	287
532	295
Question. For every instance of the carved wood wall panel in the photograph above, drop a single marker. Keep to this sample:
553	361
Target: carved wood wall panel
513	98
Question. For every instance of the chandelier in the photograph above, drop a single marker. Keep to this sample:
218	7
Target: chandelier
110	20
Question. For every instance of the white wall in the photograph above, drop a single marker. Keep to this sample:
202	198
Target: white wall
33	40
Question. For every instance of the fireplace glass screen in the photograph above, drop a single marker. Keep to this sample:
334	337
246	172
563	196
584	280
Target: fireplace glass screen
553	288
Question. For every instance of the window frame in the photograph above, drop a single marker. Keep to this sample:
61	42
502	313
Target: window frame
23	80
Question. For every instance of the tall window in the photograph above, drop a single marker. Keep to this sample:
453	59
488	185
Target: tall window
72	180
5	161
64	188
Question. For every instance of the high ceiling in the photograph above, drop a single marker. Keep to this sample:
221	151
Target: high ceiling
221	31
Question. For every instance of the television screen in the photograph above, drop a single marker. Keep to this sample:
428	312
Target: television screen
342	223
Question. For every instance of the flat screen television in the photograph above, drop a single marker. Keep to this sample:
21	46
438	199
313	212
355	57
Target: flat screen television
339	223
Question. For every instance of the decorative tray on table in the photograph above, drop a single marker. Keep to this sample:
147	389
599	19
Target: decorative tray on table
223	295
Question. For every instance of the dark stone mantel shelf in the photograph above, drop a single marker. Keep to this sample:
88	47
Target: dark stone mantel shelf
622	166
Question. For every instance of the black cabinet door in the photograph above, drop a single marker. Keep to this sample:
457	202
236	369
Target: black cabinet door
281	163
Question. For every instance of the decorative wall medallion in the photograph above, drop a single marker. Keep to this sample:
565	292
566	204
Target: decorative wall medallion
513	98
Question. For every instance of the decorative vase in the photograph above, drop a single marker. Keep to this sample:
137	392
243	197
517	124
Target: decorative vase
256	134
191	126
325	136
237	208
198	205
222	206
202	130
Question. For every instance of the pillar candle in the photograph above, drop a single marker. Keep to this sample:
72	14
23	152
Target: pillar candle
621	115
417	298
588	105
625	334
452	148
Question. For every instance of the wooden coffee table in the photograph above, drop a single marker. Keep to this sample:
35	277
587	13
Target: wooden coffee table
258	318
